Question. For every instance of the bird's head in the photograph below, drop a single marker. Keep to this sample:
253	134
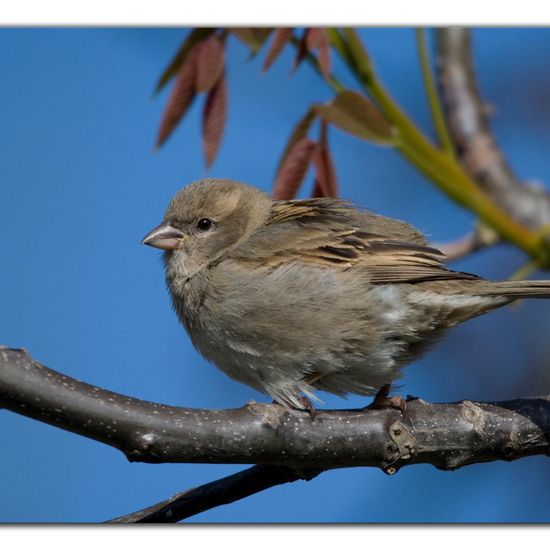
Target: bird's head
206	219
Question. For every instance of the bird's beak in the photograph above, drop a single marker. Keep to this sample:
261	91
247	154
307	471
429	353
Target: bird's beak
164	236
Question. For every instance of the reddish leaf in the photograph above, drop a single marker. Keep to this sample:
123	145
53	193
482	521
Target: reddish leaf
213	122
313	38
301	50
194	37
316	38
354	113
326	175
280	39
181	97
253	37
210	63
317	192
294	169
299	132
323	135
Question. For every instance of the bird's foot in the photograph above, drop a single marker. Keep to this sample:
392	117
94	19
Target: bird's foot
382	400
307	405
395	402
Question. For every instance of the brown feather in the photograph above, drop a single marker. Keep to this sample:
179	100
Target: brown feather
327	232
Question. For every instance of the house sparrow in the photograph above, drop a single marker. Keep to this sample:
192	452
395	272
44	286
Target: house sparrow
293	296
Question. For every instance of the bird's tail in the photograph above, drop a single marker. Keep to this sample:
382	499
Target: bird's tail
514	290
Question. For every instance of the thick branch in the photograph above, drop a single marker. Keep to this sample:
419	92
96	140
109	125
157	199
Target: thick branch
447	436
468	123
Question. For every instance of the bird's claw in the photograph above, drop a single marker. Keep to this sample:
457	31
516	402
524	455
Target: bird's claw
308	405
382	400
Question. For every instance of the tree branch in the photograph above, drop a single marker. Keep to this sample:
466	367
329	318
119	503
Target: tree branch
468	123
447	436
461	247
223	491
481	237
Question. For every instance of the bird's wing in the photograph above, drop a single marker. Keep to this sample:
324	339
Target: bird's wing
327	232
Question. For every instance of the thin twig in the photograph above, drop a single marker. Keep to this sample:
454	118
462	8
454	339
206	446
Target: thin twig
481	237
217	493
432	95
462	247
524	271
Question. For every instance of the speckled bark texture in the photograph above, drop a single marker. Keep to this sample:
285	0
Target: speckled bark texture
447	436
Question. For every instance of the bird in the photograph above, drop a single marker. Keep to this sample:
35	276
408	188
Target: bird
295	296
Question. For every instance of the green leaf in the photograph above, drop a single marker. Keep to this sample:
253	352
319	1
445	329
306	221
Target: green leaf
354	113
194	37
356	50
253	37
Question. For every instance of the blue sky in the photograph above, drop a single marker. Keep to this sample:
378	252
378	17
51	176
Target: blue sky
80	185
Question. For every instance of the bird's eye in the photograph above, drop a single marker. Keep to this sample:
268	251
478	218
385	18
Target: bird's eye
204	224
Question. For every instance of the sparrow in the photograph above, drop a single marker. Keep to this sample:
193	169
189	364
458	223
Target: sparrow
294	296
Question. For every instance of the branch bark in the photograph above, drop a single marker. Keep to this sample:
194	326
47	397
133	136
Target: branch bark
479	238
468	123
223	491
447	436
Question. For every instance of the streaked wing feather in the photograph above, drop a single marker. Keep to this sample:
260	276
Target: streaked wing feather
329	232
